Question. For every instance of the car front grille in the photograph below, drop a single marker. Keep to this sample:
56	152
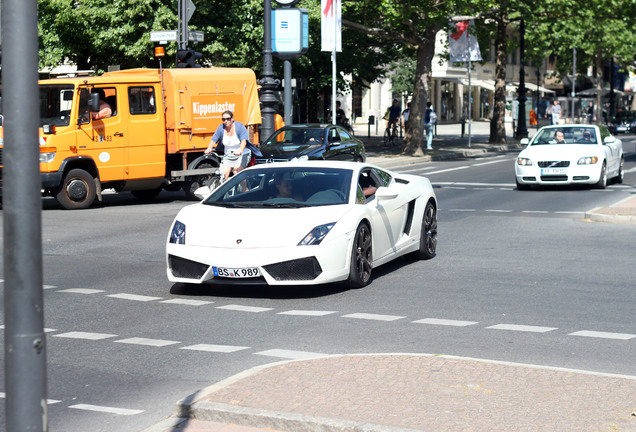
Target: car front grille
554	164
185	268
295	270
554	178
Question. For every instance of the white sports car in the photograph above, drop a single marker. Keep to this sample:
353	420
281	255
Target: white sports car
570	154
303	223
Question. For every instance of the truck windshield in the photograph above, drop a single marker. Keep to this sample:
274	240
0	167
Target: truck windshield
55	104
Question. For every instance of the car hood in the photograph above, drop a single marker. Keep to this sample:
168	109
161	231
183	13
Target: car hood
560	151
288	150
255	228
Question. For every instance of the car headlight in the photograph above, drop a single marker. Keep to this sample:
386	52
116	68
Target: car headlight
524	161
316	235
177	235
47	157
588	160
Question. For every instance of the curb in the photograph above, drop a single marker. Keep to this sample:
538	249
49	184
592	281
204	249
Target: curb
609	218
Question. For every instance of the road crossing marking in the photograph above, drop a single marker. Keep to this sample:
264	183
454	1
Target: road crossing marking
214	348
445	322
105	409
604	335
187	302
3	395
85	335
134	297
522	328
376	317
290	354
147	342
80	291
241	308
307	312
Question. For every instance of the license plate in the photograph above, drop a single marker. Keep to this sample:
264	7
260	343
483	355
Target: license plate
553	171
621	128
236	272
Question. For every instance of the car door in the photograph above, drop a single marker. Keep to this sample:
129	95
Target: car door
612	150
335	148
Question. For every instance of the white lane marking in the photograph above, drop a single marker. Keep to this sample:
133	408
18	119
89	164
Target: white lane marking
105	409
147	342
447	170
49	287
376	317
187	302
498	211
307	312
214	348
569	212
85	335
46	330
290	354
3	395
134	297
507	185
523	328
535	211
463	210
445	322
604	335
80	291
491	162
242	308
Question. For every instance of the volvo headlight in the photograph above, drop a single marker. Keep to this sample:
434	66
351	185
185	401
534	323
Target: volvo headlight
588	160
47	157
177	235
316	235
524	161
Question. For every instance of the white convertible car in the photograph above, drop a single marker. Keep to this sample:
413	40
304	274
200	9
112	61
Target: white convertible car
303	223
570	154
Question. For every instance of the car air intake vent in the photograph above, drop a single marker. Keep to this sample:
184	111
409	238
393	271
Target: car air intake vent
401	180
554	164
295	270
184	268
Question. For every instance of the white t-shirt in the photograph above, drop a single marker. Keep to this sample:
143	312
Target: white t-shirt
232	144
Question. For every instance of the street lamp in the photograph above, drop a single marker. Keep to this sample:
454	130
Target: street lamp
267	82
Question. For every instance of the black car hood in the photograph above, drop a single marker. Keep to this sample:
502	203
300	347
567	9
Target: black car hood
287	150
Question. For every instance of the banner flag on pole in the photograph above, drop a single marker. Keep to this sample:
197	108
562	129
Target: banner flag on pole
463	46
331	24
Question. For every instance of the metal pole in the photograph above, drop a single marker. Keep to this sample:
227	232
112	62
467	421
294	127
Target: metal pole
25	342
522	129
267	82
287	94
333	63
470	108
573	80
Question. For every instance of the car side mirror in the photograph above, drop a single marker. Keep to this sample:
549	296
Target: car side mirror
93	102
202	193
609	140
384	193
525	141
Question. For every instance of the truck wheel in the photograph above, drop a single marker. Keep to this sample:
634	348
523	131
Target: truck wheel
77	191
198	181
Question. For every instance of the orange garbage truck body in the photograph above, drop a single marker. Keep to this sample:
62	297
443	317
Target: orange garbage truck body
154	137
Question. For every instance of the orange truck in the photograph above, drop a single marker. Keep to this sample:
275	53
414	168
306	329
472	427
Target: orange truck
160	124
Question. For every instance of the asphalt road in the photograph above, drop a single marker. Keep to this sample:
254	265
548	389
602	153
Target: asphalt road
519	276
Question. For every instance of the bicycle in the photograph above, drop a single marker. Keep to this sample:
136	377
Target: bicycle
391	134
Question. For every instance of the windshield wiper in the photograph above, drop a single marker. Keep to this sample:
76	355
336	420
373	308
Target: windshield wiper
284	205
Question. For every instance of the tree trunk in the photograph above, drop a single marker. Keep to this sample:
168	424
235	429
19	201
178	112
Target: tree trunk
497	123
415	128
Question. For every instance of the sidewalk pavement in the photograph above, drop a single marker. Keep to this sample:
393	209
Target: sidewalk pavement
415	392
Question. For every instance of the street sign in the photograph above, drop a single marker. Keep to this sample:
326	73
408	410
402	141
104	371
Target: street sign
195	35
163	36
190	9
290	32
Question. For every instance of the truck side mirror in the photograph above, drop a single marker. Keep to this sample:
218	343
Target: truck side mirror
93	102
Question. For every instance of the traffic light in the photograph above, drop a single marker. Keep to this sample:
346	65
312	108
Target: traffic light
186	58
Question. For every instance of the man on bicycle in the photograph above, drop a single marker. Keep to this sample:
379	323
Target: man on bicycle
395	110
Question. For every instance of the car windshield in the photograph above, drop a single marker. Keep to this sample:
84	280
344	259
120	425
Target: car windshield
55	104
566	135
284	187
296	136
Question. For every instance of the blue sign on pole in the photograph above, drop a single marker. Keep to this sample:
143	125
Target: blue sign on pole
290	32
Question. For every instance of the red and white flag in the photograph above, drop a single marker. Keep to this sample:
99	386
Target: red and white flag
462	45
331	24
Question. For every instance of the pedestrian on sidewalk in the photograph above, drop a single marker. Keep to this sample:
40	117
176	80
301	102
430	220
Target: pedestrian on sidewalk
555	112
430	118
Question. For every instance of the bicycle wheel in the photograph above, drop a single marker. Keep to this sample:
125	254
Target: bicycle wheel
387	137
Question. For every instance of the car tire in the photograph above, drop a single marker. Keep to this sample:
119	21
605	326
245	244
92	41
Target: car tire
602	181
361	258
77	191
522	187
428	233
